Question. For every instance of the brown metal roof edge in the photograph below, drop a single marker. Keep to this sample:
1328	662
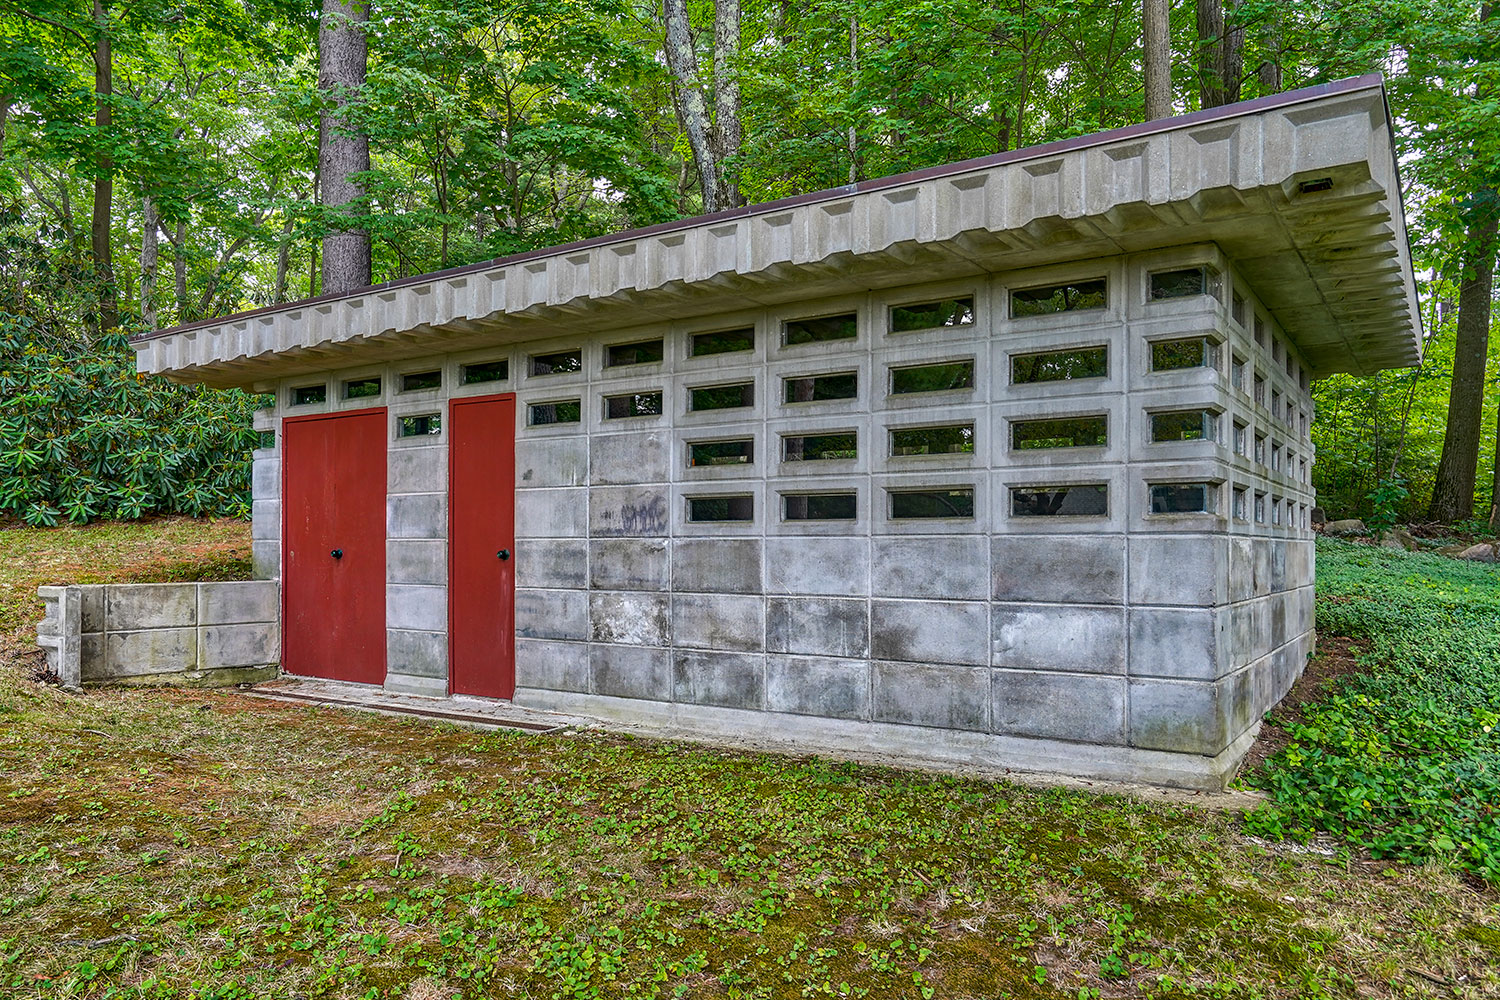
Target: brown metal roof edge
1253	106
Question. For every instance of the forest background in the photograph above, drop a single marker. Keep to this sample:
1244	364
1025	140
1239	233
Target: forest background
159	164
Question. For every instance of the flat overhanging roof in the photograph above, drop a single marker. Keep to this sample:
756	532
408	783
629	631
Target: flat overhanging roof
1330	262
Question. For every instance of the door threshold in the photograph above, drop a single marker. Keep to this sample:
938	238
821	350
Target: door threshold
366	698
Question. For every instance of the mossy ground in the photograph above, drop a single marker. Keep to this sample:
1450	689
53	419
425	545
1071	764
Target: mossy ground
187	843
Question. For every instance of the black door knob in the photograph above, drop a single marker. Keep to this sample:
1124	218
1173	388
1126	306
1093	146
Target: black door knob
337	553
503	554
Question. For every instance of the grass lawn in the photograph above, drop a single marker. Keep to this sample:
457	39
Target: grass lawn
192	843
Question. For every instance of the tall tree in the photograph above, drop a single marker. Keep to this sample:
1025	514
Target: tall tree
1220	54
1465	159
1157	59
1495	479
1453	490
104	171
715	134
343	148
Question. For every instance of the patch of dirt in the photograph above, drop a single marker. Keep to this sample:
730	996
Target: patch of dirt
1336	659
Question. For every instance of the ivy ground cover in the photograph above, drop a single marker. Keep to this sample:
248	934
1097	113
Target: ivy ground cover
203	844
1401	755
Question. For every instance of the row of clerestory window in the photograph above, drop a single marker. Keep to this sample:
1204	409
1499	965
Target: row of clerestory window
1065	500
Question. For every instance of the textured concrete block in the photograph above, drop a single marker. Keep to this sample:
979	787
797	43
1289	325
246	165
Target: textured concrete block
156	651
561	513
265	560
417	470
836	567
425	687
424	609
819	626
419	515
629	564
1277	557
150	605
1260	555
1188	716
265	478
254	645
929	631
931	566
636	511
91	608
638	619
642	457
239	601
1057	637
631	672
719	621
946	697
552	461
1180	642
417	654
717	565
92	665
817	685
1277	605
1060	706
1241	569
552	666
1187	570
416	560
552	562
265	520
1058	568
729	680
552	614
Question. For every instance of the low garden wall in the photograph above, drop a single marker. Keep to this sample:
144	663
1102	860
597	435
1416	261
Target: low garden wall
207	634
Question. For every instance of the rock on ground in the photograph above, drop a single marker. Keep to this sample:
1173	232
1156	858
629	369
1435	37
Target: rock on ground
1348	526
1482	552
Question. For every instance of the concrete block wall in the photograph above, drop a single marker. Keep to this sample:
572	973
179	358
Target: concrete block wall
195	633
1047	636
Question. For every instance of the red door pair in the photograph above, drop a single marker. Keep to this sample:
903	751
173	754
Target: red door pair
334	533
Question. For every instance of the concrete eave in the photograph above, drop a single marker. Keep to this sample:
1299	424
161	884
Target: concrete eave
1333	266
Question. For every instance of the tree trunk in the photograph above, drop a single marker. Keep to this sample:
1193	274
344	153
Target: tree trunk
1211	69
179	271
342	55
1495	481
692	110
150	241
283	263
104	170
853	89
1157	60
1453	490
1269	71
728	132
1232	56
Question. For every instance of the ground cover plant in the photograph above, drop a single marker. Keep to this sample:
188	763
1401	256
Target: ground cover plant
187	843
1401	755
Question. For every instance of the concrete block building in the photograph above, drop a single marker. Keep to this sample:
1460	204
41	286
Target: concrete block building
1003	462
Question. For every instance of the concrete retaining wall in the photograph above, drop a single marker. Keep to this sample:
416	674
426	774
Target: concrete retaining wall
208	634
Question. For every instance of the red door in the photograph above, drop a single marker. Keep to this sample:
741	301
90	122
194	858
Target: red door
481	537
333	543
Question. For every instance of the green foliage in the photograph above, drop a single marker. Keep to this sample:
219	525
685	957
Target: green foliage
1385	498
83	436
1404	758
1364	424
